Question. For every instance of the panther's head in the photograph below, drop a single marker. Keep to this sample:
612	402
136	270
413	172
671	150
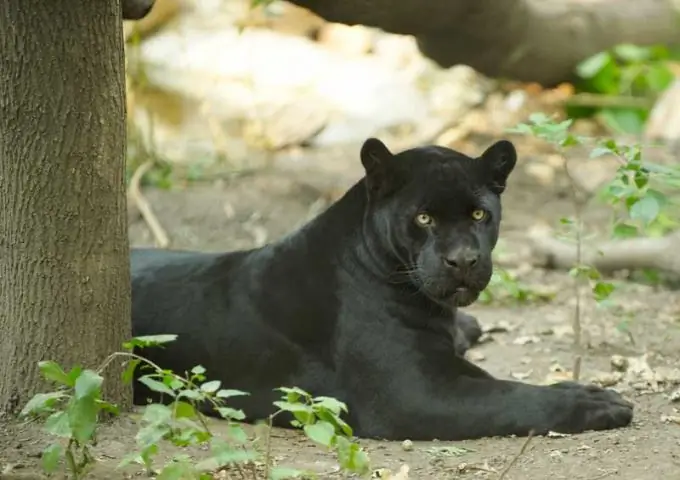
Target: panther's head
437	213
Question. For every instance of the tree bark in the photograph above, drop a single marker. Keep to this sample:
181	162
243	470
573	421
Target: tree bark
64	268
529	40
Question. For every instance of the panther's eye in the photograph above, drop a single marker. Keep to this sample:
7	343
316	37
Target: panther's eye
478	215
424	220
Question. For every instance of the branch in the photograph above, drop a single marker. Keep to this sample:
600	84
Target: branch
135	196
629	254
527	40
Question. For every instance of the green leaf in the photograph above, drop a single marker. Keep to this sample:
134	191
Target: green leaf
191	394
624	120
351	457
623	230
538	118
41	402
74	373
659	77
602	290
150	435
591	66
230	393
293	407
88	384
156	386
293	390
211	386
237	433
50	457
183	409
227	454
129	372
52	371
149	341
282	473
645	209
321	432
231	413
82	417
336	421
109	407
157	413
600	151
58	425
632	53
332	404
198	370
176	471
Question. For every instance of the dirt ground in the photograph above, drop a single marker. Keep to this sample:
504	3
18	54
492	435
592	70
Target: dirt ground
530	342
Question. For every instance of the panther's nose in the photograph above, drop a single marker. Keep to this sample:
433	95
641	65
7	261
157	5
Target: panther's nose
461	258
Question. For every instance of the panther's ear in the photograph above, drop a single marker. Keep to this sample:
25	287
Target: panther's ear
376	159
500	159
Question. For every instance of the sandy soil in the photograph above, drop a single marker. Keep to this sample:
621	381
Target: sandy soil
534	343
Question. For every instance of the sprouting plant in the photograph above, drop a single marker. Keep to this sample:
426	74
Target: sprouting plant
631	76
641	204
72	412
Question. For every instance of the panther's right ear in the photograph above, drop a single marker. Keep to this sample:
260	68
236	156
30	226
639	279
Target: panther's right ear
500	159
376	158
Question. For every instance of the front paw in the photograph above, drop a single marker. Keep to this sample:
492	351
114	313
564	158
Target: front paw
589	407
467	329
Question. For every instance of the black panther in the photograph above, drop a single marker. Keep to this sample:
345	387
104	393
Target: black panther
361	304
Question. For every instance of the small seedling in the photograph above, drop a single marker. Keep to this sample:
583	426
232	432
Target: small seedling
72	412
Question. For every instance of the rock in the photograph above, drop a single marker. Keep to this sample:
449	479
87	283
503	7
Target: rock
675	396
269	79
162	12
664	119
619	363
346	39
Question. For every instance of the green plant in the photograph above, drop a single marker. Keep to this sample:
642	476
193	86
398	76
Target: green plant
320	419
639	205
505	287
625	71
72	412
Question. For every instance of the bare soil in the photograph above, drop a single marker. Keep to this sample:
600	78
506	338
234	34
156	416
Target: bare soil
531	342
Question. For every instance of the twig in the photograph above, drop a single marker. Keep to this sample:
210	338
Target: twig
268	448
607	257
136	197
604	101
507	468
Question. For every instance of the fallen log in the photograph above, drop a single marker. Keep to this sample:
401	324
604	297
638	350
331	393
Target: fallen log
627	254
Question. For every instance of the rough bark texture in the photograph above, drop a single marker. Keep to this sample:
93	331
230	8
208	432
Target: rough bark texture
64	272
531	40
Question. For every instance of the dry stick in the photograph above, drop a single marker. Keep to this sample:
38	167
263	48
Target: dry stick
268	454
576	325
597	100
611	256
507	468
136	197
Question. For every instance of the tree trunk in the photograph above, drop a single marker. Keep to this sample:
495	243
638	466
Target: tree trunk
530	40
64	268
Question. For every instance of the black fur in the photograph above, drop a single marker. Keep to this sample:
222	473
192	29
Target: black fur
360	304
136	9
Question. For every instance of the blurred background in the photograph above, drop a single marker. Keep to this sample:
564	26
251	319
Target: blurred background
246	117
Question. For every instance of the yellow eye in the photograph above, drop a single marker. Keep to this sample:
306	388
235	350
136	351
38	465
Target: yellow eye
478	215
424	220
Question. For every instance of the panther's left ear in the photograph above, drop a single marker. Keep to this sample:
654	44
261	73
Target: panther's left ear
376	159
500	159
